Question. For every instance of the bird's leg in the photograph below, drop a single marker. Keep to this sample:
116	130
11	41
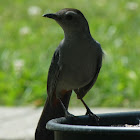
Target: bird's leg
89	112
67	114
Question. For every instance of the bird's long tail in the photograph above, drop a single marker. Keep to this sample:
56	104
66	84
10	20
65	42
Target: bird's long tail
50	111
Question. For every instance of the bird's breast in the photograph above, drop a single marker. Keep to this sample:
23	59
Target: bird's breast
78	69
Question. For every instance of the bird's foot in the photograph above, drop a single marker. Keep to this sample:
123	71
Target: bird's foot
92	115
68	115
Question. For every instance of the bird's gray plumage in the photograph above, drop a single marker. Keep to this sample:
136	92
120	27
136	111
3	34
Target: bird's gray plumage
75	66
77	60
83	90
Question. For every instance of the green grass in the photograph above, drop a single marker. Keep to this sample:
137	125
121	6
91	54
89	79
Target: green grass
27	44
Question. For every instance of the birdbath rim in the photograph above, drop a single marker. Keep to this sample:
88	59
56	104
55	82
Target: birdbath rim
106	119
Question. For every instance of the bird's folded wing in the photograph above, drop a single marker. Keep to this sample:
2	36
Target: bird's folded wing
53	75
82	91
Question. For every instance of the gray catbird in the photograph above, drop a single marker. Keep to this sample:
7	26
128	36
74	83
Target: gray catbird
75	66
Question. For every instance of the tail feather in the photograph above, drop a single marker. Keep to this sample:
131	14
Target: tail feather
50	112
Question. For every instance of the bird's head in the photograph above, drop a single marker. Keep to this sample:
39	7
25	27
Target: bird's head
71	20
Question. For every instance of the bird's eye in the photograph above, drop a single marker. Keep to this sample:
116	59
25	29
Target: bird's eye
69	17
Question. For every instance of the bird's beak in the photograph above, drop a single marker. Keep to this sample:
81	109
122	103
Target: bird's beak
53	16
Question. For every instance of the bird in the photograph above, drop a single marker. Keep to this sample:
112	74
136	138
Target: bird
75	66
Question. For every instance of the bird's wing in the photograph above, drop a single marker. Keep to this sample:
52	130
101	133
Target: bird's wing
53	74
82	91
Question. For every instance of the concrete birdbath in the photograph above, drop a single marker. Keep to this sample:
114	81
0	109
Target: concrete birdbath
119	126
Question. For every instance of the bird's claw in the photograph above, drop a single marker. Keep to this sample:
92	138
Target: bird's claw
92	115
69	115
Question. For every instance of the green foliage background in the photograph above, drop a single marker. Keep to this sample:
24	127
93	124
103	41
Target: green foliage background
27	43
